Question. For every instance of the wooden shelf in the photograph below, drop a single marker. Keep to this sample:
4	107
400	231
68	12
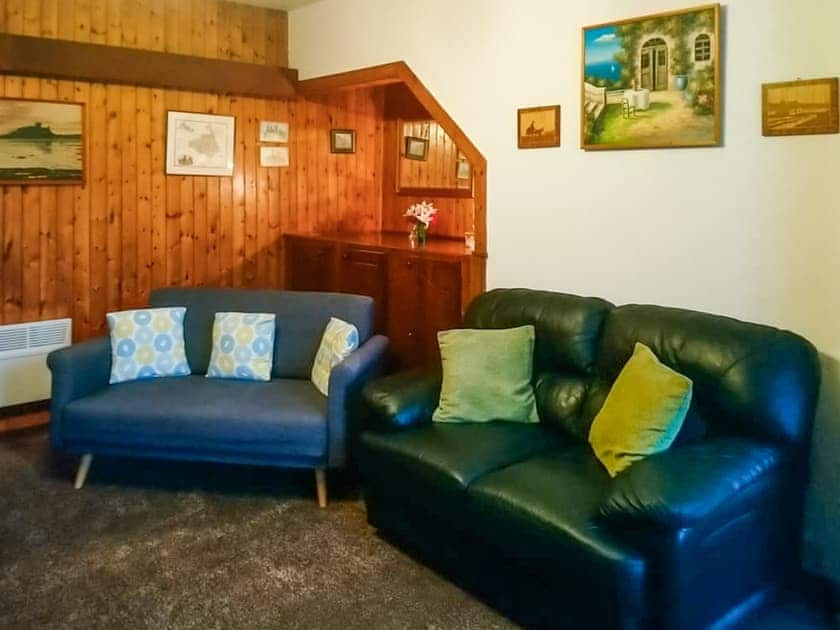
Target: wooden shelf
61	59
394	241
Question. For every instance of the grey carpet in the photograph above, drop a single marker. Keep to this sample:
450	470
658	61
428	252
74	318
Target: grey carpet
172	545
175	545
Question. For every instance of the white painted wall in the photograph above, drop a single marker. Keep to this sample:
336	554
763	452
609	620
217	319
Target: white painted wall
750	230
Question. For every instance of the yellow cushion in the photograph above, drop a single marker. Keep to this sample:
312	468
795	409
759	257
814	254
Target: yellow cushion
339	341
642	413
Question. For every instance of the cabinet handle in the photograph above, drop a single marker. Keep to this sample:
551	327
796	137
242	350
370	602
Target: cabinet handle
345	256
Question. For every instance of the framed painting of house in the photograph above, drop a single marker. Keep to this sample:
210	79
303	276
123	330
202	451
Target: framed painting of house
652	82
41	142
799	108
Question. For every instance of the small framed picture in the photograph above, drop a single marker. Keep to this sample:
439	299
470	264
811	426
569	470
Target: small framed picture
463	171
416	148
539	127
199	144
271	131
342	140
798	108
271	157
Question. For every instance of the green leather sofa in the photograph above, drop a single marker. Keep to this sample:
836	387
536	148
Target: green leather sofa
690	538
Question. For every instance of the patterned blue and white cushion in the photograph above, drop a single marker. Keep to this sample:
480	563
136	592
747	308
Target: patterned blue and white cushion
338	342
147	343
243	346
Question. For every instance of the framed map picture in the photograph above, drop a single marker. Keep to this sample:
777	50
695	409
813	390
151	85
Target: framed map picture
41	142
199	144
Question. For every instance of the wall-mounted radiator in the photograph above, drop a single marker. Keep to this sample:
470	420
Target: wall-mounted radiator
24	376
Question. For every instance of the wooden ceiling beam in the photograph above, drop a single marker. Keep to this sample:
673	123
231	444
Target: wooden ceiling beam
98	63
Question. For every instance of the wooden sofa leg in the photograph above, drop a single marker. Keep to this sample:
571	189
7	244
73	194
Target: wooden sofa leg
82	472
321	483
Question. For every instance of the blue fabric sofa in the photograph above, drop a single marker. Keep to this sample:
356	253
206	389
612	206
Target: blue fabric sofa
285	422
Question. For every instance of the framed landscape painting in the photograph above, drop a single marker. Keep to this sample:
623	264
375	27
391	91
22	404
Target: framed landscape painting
798	108
41	142
653	81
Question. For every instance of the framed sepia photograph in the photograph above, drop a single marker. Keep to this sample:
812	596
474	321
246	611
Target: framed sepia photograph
342	140
271	157
653	81
539	127
462	168
798	108
416	148
199	144
41	142
271	131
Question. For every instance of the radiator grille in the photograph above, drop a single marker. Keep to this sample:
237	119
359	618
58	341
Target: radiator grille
33	338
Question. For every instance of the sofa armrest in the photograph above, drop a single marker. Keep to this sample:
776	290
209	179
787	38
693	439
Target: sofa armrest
346	381
684	486
77	371
403	400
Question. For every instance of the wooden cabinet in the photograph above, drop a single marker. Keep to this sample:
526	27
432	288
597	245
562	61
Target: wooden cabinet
417	293
311	266
363	271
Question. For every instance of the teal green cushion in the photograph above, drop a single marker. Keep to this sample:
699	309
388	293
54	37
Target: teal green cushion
487	375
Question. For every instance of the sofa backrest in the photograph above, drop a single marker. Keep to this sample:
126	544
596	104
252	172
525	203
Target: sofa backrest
568	329
300	321
748	379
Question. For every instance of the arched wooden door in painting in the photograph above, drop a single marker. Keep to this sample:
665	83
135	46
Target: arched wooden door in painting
654	65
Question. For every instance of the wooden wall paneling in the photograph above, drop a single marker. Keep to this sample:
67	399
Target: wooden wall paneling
159	201
208	251
114	184
187	209
85	250
263	234
226	216
143	143
129	225
249	147
95	282
238	211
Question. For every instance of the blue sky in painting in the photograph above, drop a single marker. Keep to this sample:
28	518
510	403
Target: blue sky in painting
601	44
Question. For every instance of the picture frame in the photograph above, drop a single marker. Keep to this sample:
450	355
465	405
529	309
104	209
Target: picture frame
274	131
463	171
200	144
416	148
652	82
538	127
42	142
799	108
342	140
273	157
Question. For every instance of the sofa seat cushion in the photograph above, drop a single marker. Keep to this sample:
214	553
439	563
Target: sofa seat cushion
436	459
278	417
544	511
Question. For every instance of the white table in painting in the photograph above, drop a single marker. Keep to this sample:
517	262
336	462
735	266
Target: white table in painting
640	99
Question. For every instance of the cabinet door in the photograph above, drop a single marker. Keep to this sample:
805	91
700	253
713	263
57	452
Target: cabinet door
405	304
441	293
310	265
364	272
